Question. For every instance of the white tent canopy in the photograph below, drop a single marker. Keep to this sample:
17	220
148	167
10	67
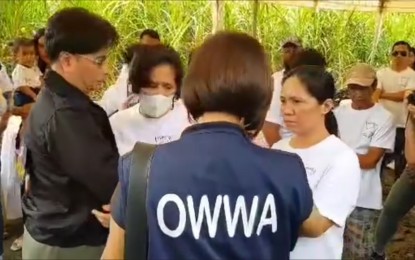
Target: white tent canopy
402	6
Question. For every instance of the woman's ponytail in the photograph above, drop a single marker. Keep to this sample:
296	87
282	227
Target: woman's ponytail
331	123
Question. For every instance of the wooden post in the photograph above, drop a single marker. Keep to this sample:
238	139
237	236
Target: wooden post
378	31
218	15
255	18
316	6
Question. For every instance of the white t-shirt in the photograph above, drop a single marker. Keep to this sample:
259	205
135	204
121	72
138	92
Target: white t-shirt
129	126
5	81
274	113
333	174
24	76
117	94
361	129
392	81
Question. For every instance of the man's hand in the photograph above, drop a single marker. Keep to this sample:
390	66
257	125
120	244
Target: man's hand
104	216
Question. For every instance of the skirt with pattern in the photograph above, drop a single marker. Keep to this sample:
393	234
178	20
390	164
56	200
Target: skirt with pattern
359	233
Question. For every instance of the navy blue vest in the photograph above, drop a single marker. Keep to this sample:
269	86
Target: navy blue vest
214	194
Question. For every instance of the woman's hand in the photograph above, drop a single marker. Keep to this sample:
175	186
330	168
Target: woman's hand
103	217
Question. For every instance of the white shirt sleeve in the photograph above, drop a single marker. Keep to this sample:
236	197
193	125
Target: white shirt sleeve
384	135
3	103
379	78
5	81
122	79
110	100
19	77
411	82
336	195
274	112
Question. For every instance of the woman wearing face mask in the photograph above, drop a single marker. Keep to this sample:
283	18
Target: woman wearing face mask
160	116
332	167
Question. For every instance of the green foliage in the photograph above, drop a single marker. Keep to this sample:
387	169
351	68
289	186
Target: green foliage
345	37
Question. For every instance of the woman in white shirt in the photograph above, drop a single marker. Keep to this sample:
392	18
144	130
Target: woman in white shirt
160	117
155	75
332	167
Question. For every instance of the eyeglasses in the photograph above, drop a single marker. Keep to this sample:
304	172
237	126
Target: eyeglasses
399	53
99	61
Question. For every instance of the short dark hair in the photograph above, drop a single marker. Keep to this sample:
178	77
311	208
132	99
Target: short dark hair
78	31
310	56
229	73
319	84
128	53
146	58
404	43
150	32
22	42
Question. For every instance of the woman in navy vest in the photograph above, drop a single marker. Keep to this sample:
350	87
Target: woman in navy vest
213	194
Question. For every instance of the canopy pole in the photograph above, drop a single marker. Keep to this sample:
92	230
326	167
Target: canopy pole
316	6
379	29
217	15
255	18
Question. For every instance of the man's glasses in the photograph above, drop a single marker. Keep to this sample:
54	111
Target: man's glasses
399	53
99	61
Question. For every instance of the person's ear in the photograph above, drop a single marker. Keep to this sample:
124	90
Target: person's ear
327	106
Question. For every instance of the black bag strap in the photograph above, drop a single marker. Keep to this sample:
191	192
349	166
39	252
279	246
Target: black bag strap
136	236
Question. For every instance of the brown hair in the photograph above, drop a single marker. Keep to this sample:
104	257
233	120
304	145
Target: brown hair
229	73
22	42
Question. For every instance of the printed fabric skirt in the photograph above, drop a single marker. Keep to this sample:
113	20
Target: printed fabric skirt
359	233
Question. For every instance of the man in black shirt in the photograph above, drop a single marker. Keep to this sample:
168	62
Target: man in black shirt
72	155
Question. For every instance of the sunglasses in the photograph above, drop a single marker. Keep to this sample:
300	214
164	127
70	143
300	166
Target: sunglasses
399	53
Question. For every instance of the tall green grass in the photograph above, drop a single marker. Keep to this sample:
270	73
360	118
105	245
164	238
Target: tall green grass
345	37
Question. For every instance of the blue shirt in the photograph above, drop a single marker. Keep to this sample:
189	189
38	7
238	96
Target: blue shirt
213	194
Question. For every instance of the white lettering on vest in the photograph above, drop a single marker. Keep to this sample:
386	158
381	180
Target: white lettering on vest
182	215
240	209
269	208
205	215
204	209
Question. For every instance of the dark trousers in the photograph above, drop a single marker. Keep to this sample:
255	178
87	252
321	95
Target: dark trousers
400	200
398	155
21	99
400	161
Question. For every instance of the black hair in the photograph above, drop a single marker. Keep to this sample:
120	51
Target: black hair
404	43
78	31
128	54
321	85
42	65
146	58
310	56
21	42
150	32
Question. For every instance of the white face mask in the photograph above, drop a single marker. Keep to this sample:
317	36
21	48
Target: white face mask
155	106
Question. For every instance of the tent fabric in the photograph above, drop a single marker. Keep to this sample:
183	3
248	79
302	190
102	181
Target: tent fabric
401	6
